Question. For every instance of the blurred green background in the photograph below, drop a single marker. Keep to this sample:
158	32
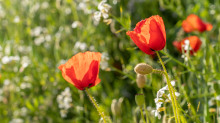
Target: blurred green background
36	36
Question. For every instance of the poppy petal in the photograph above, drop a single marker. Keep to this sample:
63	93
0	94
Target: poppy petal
208	26
82	69
140	42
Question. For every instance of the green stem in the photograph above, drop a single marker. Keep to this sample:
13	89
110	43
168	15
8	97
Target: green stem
145	109
171	91
142	115
95	104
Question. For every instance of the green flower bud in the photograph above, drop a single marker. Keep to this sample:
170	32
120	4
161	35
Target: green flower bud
139	98
143	68
141	80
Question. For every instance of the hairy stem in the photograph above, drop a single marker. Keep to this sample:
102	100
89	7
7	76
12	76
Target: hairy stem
171	91
145	109
95	104
142	115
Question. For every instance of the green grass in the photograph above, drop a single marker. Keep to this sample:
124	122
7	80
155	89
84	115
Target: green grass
197	79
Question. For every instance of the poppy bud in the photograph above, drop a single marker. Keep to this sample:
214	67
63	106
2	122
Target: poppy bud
139	98
143	69
116	108
141	80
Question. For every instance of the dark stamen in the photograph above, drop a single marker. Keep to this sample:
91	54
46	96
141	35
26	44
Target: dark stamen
152	49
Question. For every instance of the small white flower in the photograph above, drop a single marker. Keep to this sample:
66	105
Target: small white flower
160	93
177	94
173	83
6	82
103	7
156	114
115	1
48	38
68	11
185	57
74	24
97	15
45	5
38	41
17	120
6	60
16	19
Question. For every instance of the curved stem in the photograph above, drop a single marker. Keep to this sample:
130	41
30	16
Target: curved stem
145	109
142	115
171	91
95	104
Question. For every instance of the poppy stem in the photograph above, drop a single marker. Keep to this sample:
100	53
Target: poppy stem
142	115
95	104
171	91
145	109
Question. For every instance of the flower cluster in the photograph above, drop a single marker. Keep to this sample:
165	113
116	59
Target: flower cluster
161	98
103	8
65	102
191	43
41	35
104	61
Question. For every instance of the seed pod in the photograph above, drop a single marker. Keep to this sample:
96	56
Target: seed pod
141	79
143	68
139	98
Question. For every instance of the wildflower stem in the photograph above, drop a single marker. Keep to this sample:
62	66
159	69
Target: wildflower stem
95	104
145	109
142	115
171	91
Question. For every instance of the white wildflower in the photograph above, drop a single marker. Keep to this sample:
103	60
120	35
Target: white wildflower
184	57
36	31
16	19
8	59
97	16
103	8
104	61
173	83
75	24
64	102
45	5
38	41
17	120
156	114
48	38
68	11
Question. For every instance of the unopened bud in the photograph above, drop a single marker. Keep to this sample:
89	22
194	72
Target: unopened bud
161	109
141	80
116	108
164	119
139	98
143	68
212	110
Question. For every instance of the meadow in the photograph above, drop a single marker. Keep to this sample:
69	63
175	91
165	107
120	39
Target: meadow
39	36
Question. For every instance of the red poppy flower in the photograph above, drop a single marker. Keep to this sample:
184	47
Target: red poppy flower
193	42
82	70
193	23
149	34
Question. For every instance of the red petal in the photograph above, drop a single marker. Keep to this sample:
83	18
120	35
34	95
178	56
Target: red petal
196	22
140	41
177	44
187	27
195	43
208	26
157	35
82	69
